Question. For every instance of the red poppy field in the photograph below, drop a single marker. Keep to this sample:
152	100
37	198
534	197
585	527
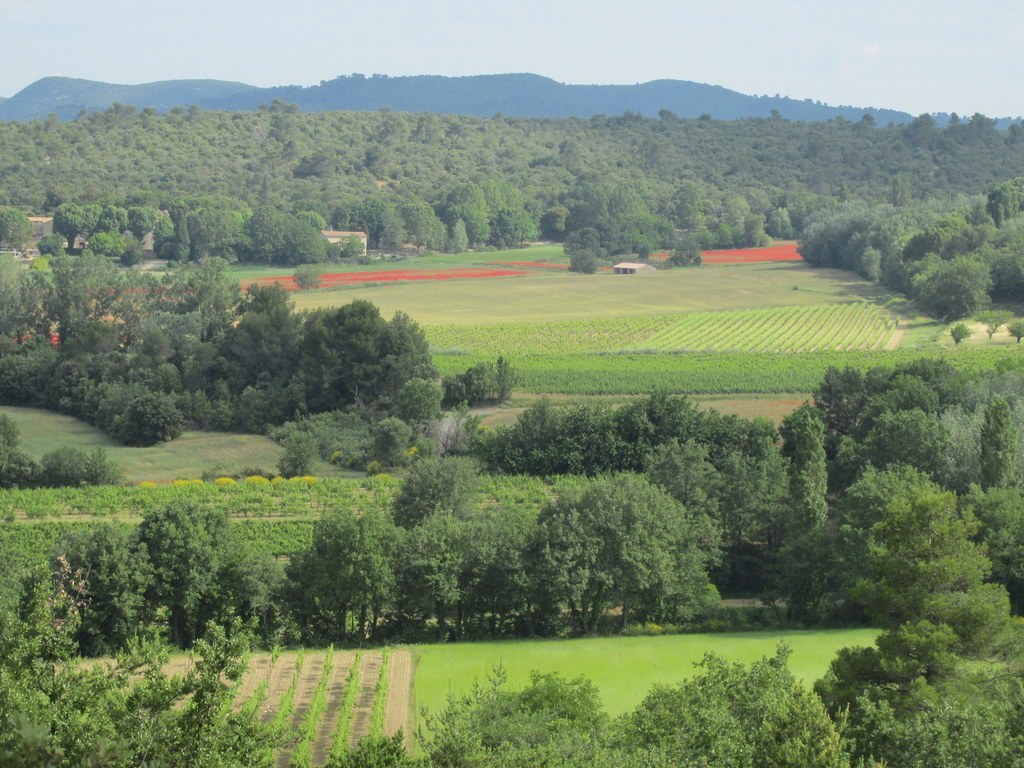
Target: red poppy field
782	252
785	252
333	280
531	264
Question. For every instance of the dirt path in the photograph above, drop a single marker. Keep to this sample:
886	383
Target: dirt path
898	334
335	693
363	712
400	707
258	672
308	681
280	679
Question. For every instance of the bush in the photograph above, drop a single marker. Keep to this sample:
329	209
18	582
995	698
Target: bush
51	245
307	277
583	262
418	400
137	416
436	485
300	451
73	467
391	438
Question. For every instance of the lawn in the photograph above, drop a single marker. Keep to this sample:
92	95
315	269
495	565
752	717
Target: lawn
186	457
623	668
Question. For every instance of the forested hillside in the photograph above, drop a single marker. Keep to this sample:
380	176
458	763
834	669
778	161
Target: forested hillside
279	156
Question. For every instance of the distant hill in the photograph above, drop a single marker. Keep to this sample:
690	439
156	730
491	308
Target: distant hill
66	97
513	95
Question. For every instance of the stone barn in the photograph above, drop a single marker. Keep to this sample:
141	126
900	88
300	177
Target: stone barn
632	268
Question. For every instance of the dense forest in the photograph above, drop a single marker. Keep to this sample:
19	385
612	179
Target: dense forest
685	171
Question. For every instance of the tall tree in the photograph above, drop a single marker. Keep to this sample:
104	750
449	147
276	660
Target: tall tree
999	446
803	434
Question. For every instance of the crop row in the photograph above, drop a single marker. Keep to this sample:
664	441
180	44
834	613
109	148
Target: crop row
857	325
712	372
27	542
240	500
264	508
602	335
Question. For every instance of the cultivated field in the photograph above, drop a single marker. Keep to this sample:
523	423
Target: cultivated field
813	328
754	322
326	701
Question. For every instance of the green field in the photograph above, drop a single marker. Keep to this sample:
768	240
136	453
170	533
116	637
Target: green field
623	668
713	372
756	328
186	457
811	328
546	296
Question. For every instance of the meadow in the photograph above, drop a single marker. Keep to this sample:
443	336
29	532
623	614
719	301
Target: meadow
756	327
623	668
188	456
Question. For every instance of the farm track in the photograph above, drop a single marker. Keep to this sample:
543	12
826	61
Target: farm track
259	672
335	693
361	717
308	680
399	703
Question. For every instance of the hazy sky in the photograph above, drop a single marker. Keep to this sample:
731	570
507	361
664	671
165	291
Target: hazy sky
917	56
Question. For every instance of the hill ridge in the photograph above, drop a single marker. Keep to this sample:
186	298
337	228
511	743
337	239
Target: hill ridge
521	94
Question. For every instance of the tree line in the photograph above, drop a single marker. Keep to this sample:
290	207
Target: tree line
954	260
143	357
414	178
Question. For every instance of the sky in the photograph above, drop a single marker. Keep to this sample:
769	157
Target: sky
911	55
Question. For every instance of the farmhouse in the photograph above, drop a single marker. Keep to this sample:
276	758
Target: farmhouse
41	226
338	236
632	268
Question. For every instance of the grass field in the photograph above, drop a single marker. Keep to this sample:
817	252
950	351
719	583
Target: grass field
551	295
623	668
186	457
330	700
716	373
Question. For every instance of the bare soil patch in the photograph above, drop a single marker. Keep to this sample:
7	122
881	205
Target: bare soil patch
400	707
363	711
335	694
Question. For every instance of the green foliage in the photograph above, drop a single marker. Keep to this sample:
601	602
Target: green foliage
418	401
300	451
624	541
803	435
953	289
51	245
307	277
60	712
483	383
994	319
437	485
736	716
74	467
186	546
960	332
15	228
1000	450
